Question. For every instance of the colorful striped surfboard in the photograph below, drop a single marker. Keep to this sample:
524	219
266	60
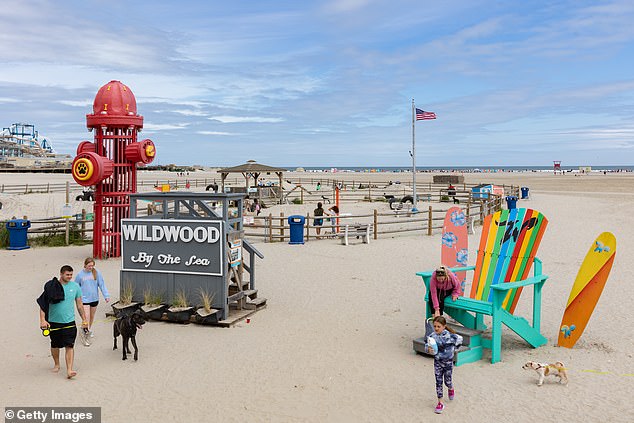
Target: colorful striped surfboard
588	286
454	251
508	244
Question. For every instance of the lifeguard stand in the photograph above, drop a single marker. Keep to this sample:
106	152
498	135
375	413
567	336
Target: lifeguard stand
557	166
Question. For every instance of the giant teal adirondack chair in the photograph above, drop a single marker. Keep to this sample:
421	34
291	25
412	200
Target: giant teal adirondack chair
508	244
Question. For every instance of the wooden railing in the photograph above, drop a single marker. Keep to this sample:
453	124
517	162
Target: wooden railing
276	228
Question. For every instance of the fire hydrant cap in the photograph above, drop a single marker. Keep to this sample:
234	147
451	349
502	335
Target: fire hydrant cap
114	99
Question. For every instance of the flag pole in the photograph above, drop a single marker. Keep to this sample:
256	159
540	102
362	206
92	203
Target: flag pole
414	198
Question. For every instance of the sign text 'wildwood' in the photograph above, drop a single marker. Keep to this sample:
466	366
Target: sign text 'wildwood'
167	233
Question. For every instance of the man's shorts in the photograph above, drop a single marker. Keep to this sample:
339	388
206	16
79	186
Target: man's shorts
61	338
319	222
93	304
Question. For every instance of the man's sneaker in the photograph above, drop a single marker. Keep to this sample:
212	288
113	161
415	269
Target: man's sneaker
439	408
92	334
451	394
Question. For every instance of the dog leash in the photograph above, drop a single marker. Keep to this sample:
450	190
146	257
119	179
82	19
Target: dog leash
47	331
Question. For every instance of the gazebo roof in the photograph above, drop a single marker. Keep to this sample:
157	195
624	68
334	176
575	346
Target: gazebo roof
251	167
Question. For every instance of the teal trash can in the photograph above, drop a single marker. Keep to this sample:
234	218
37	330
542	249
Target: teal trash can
18	229
296	223
511	202
524	193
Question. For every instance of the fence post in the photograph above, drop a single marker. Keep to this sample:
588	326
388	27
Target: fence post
307	222
26	189
270	227
429	222
48	187
481	212
301	194
369	192
282	225
468	212
83	223
376	223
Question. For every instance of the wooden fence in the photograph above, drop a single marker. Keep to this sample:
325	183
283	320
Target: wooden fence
276	228
80	223
145	184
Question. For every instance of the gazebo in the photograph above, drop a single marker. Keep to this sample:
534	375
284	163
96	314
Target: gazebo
249	170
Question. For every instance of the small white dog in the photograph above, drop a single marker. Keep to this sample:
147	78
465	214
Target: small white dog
556	369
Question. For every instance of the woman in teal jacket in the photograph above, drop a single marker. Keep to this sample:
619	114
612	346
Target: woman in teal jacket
91	282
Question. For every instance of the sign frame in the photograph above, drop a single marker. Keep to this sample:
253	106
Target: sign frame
221	240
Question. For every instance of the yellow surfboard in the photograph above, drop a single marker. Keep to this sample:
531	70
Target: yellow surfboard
587	289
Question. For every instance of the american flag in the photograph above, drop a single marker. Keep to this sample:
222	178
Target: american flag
423	115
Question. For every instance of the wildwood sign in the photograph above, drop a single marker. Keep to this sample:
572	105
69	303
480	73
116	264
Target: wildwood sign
175	246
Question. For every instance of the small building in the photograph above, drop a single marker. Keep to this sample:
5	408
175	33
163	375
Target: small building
448	179
483	191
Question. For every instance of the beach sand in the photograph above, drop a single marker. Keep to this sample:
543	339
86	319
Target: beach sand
335	341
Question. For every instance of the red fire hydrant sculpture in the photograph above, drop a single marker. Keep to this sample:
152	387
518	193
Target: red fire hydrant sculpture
109	163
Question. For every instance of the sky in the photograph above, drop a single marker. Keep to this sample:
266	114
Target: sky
331	83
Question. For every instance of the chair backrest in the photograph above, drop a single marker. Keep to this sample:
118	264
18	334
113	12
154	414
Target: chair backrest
508	244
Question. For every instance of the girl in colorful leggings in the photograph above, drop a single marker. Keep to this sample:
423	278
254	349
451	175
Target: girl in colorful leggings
447	341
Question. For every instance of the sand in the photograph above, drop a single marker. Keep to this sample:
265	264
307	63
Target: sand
335	341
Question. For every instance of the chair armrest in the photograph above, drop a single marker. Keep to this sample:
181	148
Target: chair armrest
512	285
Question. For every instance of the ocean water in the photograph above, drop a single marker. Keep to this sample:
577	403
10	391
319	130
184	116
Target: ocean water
466	169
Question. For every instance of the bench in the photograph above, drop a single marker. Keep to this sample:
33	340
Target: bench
358	230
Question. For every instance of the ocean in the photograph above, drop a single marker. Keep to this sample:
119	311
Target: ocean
465	169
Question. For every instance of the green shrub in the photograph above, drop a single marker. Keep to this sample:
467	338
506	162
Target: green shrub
4	235
75	237
297	201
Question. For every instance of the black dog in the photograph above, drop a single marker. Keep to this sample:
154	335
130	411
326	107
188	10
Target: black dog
126	326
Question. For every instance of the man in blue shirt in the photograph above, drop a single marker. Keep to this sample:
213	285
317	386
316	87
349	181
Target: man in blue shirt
60	319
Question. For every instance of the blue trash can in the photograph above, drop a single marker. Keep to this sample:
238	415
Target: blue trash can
296	223
524	193
18	229
511	202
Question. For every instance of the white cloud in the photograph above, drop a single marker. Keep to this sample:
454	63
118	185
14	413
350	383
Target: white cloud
190	112
245	119
76	103
217	133
164	126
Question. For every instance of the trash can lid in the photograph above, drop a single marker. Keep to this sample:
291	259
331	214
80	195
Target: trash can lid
296	218
18	223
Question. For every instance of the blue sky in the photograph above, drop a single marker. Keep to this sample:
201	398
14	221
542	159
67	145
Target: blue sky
330	83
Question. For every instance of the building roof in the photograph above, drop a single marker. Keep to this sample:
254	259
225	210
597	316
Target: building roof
251	167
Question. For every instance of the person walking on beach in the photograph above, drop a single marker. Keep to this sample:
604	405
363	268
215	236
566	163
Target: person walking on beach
319	211
446	341
443	284
90	280
57	315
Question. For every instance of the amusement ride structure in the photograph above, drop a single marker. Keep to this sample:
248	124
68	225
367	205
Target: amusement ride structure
22	140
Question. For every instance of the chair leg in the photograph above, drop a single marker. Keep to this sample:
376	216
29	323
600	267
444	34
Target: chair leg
496	327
